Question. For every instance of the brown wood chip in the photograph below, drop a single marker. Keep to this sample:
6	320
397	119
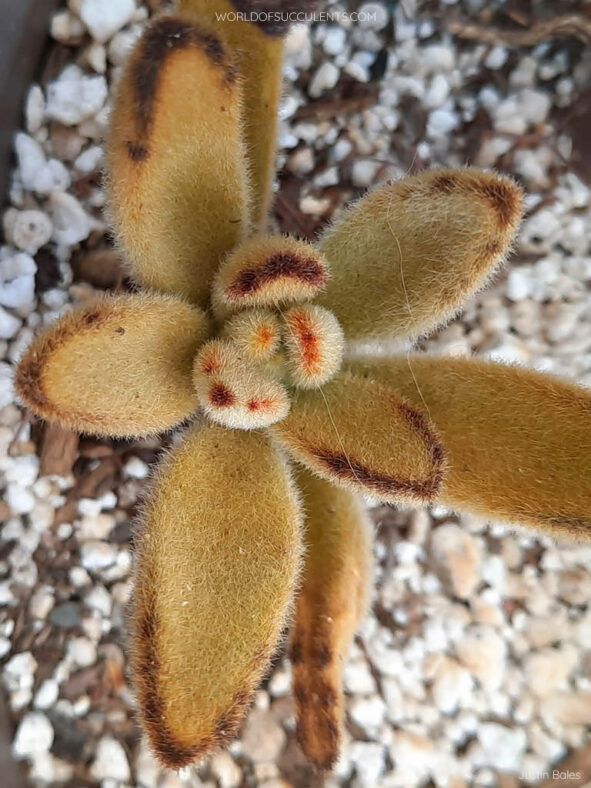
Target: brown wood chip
59	449
90	485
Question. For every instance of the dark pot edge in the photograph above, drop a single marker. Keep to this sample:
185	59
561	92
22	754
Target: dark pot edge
23	39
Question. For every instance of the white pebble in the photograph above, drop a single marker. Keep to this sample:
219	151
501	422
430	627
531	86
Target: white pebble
97	555
484	653
34	736
437	92
71	223
96	57
373	16
9	326
503	747
18	293
31	230
79	576
21	264
364	172
534	105
90	159
437	58
104	18
19	499
66	27
368	713
100	600
334	40
121	44
32	164
23	470
136	468
46	695
369	758
441	122
458	553
519	283
41	603
19	671
82	652
325	78
356	70
110	762
496	58
34	109
226	770
357	678
451	686
73	97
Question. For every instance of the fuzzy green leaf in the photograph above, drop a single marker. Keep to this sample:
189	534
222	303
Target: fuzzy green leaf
177	178
406	256
120	366
219	554
258	50
519	442
333	599
362	435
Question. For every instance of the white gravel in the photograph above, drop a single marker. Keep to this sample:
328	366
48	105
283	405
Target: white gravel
474	661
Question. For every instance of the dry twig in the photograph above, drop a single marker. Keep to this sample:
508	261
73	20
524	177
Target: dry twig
568	26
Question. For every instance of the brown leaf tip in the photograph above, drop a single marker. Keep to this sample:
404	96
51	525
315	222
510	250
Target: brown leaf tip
498	192
269	271
505	198
163	37
28	378
146	669
349	469
172	753
254	404
318	713
445	183
220	396
282	265
136	151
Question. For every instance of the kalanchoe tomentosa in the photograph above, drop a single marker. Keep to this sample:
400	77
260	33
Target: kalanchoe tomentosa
245	334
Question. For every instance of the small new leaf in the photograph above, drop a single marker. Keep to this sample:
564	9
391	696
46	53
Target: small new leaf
315	345
235	391
269	271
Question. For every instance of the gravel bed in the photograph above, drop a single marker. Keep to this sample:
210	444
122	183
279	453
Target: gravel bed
473	667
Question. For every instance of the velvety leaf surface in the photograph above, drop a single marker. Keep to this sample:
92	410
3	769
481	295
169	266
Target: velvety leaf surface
332	601
120	366
219	553
519	442
361	434
406	256
177	169
259	54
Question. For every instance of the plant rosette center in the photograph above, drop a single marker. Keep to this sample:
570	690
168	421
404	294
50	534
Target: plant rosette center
271	336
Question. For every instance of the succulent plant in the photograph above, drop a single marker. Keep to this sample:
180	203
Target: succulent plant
254	521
